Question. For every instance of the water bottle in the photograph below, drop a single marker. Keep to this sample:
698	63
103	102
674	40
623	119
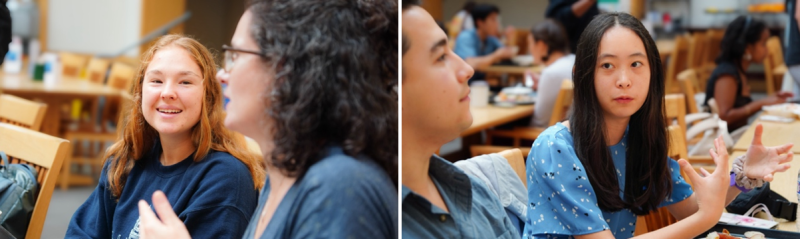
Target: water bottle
13	59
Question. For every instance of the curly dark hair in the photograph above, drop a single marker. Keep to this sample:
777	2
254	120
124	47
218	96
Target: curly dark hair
743	31
335	64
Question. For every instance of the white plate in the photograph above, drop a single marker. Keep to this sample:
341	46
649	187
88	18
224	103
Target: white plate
523	60
788	110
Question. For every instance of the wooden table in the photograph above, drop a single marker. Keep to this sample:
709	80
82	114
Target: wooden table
784	184
53	94
519	70
774	134
490	116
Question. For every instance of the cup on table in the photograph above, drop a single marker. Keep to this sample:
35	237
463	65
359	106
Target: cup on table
38	71
479	93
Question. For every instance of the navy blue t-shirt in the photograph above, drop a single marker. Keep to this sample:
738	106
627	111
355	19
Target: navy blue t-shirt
214	197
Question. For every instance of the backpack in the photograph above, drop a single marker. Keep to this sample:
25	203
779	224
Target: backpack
18	192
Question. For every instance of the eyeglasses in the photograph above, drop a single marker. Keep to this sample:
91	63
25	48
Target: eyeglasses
231	55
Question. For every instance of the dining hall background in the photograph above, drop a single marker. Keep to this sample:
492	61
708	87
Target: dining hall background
687	34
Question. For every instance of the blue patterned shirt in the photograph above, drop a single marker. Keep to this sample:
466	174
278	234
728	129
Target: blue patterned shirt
561	200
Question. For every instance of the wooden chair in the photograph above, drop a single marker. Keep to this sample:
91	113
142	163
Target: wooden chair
120	77
515	157
517	162
96	71
21	112
689	87
563	102
675	107
676	110
677	143
72	64
688	82
713	41
697	46
45	153
693	114
476	150
677	63
662	217
93	157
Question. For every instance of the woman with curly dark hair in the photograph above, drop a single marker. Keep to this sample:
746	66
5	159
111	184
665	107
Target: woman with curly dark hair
313	82
744	43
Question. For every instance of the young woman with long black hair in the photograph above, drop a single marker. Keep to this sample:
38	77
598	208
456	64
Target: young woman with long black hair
589	177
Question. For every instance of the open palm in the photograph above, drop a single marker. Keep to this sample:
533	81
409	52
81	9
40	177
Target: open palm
763	161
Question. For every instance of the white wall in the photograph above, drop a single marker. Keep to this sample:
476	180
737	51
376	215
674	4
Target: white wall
519	13
93	26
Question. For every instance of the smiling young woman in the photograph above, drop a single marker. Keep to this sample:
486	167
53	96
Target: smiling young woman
174	141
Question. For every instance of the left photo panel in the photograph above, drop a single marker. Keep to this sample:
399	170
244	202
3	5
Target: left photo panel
146	119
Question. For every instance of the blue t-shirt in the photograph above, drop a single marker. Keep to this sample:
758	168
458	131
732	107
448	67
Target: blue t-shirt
561	201
338	197
469	44
475	212
214	197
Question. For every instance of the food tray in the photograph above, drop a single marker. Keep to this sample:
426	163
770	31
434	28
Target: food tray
738	231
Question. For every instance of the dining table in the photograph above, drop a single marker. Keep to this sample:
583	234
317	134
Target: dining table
485	117
57	94
776	134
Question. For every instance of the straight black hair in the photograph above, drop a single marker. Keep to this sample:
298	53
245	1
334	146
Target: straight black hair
741	32
481	11
647	180
554	36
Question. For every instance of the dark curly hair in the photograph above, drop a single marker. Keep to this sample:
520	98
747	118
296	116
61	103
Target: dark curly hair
742	31
335	64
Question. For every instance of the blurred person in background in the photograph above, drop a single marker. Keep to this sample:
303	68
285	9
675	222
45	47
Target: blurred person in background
744	43
574	15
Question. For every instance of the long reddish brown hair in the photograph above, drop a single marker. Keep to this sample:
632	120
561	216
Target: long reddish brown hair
208	134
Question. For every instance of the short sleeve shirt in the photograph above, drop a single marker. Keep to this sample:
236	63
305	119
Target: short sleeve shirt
561	201
469	44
